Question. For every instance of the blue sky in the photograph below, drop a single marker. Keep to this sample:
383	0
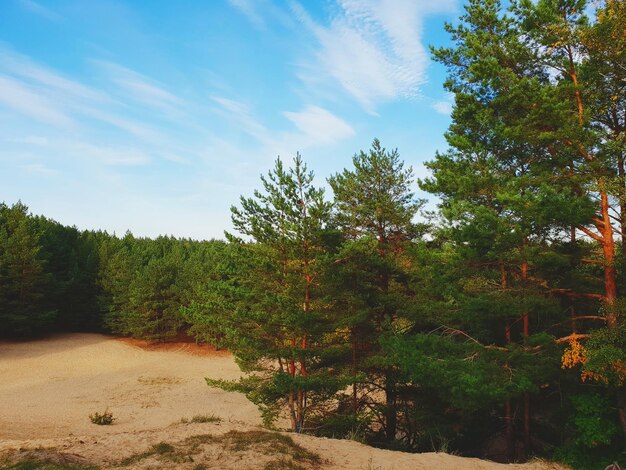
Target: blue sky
155	116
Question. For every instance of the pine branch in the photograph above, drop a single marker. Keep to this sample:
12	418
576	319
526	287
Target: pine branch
573	336
589	233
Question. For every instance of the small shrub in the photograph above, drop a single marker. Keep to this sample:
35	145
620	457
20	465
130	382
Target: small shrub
162	448
102	419
206	419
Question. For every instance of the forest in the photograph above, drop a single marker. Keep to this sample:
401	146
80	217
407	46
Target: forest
494	326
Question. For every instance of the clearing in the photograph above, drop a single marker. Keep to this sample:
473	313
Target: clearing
48	389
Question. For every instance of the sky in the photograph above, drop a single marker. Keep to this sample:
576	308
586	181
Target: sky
155	116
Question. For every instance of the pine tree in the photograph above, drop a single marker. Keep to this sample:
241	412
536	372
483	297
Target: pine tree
374	208
523	109
278	324
23	279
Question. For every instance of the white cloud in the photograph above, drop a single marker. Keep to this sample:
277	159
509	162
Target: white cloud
248	8
40	10
320	125
315	126
372	48
141	88
242	114
40	169
23	67
443	107
119	156
44	95
30	140
21	98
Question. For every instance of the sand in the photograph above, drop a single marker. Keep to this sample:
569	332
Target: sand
48	389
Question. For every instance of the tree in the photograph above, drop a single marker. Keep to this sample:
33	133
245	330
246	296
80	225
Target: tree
374	209
278	324
524	107
23	279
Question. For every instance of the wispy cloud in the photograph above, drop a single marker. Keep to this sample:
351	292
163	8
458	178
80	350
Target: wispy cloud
40	10
42	94
372	48
241	113
39	169
320	125
443	107
124	156
140	87
30	140
314	126
249	10
23	67
21	98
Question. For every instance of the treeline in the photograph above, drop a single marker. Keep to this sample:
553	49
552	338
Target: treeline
55	278
495	327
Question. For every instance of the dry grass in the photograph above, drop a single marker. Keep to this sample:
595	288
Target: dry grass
43	459
273	451
202	419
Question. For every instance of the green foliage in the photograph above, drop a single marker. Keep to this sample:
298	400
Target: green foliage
37	464
202	419
593	423
266	306
163	449
348	319
606	355
23	279
102	419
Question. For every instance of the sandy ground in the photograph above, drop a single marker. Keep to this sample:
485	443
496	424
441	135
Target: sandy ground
49	388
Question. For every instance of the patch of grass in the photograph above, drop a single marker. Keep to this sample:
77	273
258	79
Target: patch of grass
269	443
162	448
40	465
206	419
102	419
42	459
196	441
159	380
202	419
287	454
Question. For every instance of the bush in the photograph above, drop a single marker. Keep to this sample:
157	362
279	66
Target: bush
102	419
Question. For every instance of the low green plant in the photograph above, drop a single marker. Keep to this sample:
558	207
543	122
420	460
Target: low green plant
102	419
34	464
42	459
162	448
206	419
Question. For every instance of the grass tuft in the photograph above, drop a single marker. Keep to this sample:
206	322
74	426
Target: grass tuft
102	419
287	455
162	448
202	419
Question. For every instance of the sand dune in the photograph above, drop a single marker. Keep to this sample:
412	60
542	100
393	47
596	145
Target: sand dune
49	388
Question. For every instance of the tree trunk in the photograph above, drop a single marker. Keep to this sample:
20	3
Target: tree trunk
527	449
354	385
510	437
390	409
526	332
608	248
622	205
621	407
508	416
